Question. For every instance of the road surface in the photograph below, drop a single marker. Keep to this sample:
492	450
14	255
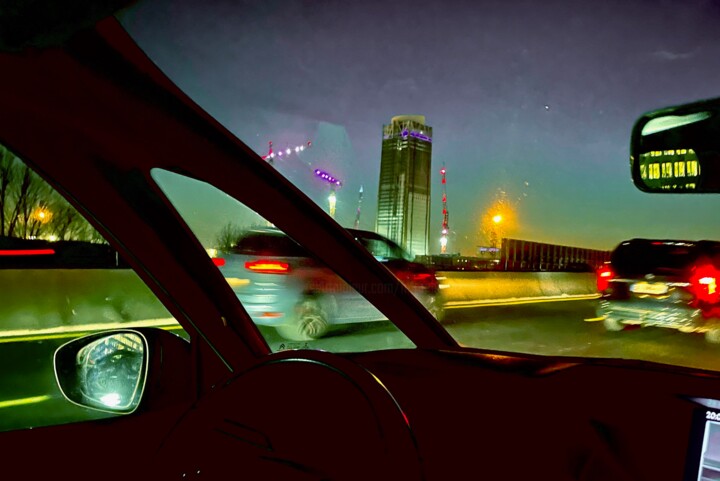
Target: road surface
564	328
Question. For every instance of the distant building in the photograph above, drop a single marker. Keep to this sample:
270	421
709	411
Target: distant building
404	188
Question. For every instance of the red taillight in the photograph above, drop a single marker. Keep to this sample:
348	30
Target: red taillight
604	274
704	283
218	261
268	267
27	252
424	279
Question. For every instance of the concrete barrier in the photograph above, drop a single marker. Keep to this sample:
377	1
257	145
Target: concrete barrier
460	288
32	299
42	298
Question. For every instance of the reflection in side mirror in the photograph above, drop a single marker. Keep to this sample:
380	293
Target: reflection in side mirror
106	372
677	149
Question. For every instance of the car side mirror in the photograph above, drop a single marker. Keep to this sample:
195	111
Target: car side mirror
123	370
677	149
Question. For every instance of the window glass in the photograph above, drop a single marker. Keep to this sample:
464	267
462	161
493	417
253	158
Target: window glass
59	280
490	141
294	299
382	248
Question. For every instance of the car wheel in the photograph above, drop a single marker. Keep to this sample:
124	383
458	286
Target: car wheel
613	324
436	308
713	335
310	322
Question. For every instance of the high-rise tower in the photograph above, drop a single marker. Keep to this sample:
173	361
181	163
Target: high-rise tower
404	189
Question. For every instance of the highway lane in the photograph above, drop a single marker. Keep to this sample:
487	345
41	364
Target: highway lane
561	329
28	390
557	328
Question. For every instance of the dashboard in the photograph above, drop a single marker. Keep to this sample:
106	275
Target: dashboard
703	457
508	417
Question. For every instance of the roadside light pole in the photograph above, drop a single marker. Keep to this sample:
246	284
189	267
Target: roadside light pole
492	226
497	220
446	214
496	230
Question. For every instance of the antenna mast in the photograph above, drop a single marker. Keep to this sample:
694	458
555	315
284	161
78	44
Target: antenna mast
446	214
357	214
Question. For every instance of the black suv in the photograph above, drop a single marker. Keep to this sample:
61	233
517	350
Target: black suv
665	283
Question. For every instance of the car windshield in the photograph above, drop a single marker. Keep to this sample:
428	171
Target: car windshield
489	140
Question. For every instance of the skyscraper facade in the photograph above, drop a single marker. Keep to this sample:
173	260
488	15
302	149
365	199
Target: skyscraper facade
404	189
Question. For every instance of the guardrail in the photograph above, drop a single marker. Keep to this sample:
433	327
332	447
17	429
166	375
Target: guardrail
463	288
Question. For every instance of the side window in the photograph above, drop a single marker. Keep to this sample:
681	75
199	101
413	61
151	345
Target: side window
379	249
59	280
295	301
382	248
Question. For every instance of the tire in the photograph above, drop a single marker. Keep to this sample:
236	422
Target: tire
712	336
613	324
436	308
309	323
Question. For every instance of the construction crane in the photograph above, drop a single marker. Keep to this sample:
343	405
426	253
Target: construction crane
446	214
271	155
334	182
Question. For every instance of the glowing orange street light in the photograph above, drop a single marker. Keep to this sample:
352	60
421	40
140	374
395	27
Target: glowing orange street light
42	215
498	220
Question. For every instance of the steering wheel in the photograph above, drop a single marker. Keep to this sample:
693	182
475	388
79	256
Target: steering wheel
298	415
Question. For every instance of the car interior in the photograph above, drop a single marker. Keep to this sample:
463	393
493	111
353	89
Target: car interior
94	117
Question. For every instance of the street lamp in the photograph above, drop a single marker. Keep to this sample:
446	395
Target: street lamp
41	215
498	220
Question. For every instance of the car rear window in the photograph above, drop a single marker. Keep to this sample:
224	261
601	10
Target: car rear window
268	244
381	248
657	257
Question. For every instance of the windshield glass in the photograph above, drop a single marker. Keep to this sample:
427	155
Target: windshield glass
489	141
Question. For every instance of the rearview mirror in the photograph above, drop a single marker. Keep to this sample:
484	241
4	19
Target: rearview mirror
677	149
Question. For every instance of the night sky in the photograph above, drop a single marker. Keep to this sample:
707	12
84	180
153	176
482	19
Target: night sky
534	99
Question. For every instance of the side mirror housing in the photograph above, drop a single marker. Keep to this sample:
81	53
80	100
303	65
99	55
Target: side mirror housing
124	370
677	149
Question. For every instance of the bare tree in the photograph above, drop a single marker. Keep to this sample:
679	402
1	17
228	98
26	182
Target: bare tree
31	208
7	161
228	236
